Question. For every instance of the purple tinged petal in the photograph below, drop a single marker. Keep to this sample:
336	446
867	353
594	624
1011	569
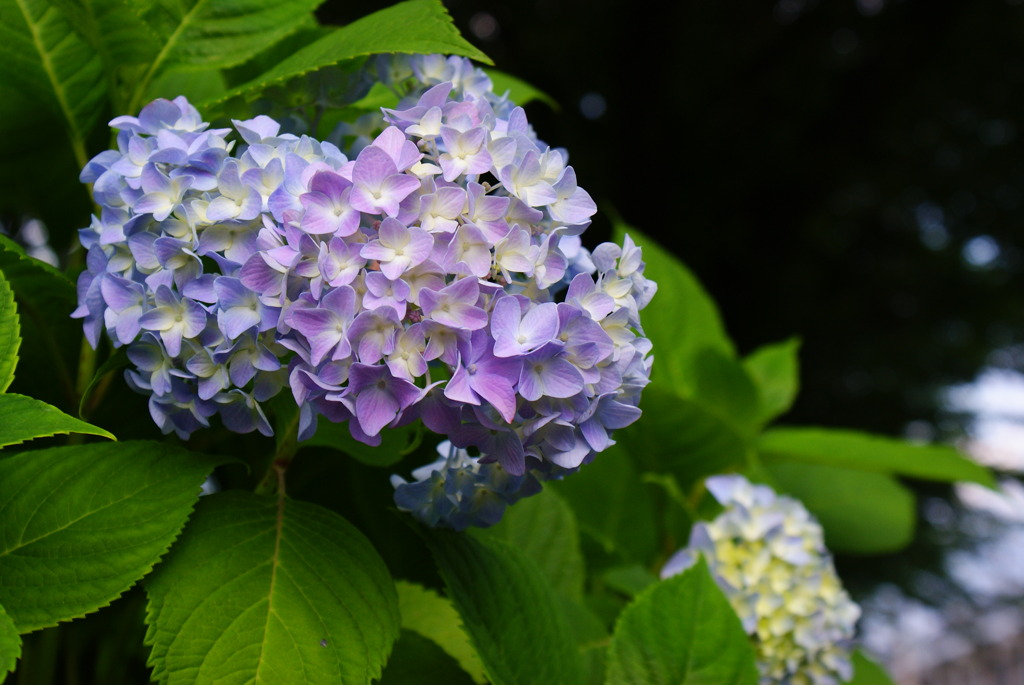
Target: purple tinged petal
455	305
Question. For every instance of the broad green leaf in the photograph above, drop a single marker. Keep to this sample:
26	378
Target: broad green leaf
115	31
195	85
682	319
865	452
509	610
630	580
722	386
433	616
82	524
681	631
33	279
207	34
416	659
775	370
544	528
867	672
519	91
612	505
591	638
684	437
26	418
41	54
10	335
51	339
288	592
10	644
415	26
861	512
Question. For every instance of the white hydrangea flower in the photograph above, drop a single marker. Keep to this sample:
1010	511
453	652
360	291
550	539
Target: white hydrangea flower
768	555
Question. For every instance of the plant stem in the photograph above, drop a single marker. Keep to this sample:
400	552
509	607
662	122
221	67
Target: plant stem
287	446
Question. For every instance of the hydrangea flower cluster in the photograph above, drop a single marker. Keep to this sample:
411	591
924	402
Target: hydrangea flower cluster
767	553
434	272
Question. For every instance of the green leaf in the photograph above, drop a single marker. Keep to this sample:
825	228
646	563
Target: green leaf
288	592
416	659
544	528
682	319
681	631
865	452
722	386
519	91
26	419
612	505
433	616
124	42
630	580
509	610
862	513
10	334
115	362
10	644
211	34
82	524
775	369
113	28
51	339
41	54
867	672
395	442
35	280
195	85
684	437
415	26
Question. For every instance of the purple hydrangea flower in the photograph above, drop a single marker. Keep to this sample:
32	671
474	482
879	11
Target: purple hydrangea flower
234	264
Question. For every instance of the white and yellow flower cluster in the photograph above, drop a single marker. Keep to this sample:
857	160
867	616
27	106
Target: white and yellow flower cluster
767	553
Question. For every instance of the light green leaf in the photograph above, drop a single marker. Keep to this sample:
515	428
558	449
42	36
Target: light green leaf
613	505
42	54
682	319
433	616
775	370
10	644
195	85
416	659
82	524
865	452
509	610
681	631
862	513
415	26
10	335
208	34
867	672
544	528
289	592
26	419
519	91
